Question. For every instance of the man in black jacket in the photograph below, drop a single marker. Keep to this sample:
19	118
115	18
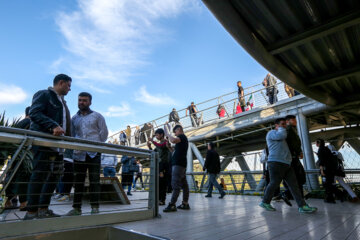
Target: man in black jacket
49	114
294	145
212	165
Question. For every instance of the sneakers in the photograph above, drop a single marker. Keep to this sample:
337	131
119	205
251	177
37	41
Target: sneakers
307	209
129	194
95	210
170	208
267	206
64	198
222	195
161	203
47	213
184	206
57	196
208	196
30	216
74	212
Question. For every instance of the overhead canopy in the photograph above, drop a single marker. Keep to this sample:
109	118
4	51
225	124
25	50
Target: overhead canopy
314	46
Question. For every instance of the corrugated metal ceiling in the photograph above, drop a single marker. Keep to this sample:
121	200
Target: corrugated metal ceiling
313	46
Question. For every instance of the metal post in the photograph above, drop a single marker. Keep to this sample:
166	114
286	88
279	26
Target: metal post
233	182
189	167
244	167
154	184
202	182
11	162
197	153
309	161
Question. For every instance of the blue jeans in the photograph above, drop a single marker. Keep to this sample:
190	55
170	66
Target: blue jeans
109	172
214	183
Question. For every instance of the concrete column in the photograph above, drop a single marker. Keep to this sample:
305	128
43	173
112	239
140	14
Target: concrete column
190	167
309	161
244	166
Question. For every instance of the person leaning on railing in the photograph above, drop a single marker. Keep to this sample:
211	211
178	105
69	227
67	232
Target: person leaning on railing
49	114
271	88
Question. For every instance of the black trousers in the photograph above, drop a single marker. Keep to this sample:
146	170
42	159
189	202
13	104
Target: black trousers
44	178
163	182
330	189
80	168
67	180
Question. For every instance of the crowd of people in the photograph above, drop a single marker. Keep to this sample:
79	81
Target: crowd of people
245	102
281	160
58	170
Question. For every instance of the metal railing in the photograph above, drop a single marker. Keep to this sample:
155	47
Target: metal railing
115	205
238	181
207	112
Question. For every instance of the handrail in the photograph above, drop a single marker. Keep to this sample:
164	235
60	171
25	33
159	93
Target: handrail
223	102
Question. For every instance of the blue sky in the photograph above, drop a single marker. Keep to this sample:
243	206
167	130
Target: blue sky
139	59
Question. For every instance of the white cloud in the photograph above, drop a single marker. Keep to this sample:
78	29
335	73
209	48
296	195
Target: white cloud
11	94
159	99
107	40
119	111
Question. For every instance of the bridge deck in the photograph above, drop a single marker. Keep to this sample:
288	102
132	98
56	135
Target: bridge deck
239	217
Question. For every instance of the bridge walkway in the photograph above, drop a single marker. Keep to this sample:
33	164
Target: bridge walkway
239	217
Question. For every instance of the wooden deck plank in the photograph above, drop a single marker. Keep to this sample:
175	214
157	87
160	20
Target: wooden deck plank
240	217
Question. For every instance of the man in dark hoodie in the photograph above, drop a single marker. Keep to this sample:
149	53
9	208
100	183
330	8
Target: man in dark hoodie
212	165
49	114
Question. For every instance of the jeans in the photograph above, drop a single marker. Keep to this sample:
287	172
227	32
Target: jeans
212	183
127	180
43	179
67	180
80	168
278	172
178	182
109	172
272	94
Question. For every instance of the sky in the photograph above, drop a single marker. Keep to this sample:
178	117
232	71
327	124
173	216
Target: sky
138	58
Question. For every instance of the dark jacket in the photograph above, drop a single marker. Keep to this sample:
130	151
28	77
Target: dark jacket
294	145
126	162
24	124
327	160
212	162
293	141
46	112
174	117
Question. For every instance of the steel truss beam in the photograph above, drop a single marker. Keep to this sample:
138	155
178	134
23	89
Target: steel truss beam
316	32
